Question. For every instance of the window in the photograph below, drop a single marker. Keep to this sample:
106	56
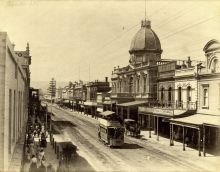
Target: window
179	97
138	84
145	84
189	92
214	66
162	94
169	95
205	97
131	85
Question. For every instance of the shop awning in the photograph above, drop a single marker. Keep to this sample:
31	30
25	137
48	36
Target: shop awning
66	101
133	103
107	113
108	102
90	103
198	120
100	109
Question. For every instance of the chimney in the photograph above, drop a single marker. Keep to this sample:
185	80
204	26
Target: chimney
106	79
183	66
189	62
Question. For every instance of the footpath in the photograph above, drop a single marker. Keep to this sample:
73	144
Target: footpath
209	162
50	158
17	158
38	149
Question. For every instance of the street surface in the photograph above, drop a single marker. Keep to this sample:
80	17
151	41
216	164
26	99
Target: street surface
135	155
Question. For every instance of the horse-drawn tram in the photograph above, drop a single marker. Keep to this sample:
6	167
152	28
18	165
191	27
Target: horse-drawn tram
110	130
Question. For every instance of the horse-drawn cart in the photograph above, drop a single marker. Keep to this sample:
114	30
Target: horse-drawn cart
131	127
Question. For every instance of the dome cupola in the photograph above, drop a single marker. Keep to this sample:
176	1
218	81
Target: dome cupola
145	40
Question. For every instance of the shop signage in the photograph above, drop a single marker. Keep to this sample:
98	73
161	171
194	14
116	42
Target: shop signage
156	110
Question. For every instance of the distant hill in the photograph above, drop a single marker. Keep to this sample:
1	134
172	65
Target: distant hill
45	84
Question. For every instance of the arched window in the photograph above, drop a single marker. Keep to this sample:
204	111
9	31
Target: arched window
120	86
179	96
145	83
130	84
162	94
138	84
214	65
189	94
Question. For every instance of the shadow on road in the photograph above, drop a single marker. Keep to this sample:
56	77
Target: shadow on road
64	124
131	146
78	163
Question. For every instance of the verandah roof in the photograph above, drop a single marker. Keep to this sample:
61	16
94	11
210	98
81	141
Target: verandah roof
198	120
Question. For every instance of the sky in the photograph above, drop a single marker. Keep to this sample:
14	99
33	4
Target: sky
71	40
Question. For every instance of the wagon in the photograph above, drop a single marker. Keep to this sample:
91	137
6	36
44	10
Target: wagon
131	127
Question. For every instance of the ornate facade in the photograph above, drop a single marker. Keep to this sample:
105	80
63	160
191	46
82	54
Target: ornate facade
137	81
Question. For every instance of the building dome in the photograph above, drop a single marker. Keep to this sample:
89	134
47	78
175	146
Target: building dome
145	39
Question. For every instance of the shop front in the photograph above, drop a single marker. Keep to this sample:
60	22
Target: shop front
129	110
198	131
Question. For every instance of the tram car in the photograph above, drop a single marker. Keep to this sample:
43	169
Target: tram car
110	130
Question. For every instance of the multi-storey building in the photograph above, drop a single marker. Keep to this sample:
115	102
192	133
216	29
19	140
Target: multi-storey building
202	129
171	103
96	91
136	83
14	90
79	96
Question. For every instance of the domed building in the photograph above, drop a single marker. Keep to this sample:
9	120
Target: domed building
145	46
135	84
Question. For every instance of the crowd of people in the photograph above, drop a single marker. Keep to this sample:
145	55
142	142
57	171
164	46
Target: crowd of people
35	144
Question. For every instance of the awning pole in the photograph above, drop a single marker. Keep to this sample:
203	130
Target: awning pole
122	113
128	112
116	110
95	112
204	140
184	139
157	128
199	135
154	125
149	126
171	134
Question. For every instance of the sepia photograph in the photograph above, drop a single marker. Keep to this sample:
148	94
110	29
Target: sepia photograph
109	85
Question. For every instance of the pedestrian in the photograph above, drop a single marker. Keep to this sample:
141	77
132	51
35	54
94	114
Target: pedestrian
43	160
41	154
28	155
32	149
43	140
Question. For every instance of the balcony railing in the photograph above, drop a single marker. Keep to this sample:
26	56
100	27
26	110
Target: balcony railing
180	105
